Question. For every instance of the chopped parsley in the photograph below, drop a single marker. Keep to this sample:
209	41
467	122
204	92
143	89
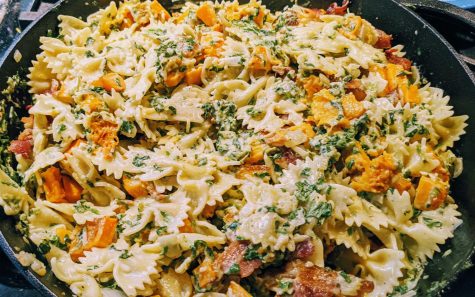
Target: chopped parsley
138	160
125	255
82	207
306	172
162	230
319	211
127	127
431	223
44	247
99	90
305	189
208	110
253	112
399	290
89	54
345	276
285	285
234	269
251	253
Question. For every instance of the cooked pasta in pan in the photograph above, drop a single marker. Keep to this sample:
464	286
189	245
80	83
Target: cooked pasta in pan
227	150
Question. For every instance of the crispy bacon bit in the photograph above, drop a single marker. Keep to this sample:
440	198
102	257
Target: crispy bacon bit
354	86
281	70
288	157
338	10
304	249
291	18
24	145
384	40
392	58
234	254
314	281
366	287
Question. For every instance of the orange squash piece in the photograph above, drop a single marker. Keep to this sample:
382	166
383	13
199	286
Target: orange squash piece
93	102
52	185
174	78
259	18
410	94
391	75
430	194
206	273
256	154
236	290
159	11
260	62
312	85
136	188
193	76
74	144
206	14
324	113
401	184
72	189
352	108
187	228
111	81
376	176
100	232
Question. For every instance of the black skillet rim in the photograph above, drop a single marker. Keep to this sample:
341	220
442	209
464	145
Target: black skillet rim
34	280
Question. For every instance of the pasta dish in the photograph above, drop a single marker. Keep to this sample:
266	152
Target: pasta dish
227	150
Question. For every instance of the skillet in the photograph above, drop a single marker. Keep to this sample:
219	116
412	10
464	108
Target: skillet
440	64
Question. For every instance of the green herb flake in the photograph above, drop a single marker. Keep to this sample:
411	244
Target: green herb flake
82	207
138	160
319	211
432	223
345	276
44	247
234	269
125	255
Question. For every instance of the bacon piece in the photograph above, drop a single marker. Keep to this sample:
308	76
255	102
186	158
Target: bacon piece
24	145
314	281
366	287
384	40
338	10
21	147
281	70
234	254
354	86
304	249
288	157
405	63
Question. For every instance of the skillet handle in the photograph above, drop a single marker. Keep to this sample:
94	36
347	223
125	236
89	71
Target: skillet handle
455	24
